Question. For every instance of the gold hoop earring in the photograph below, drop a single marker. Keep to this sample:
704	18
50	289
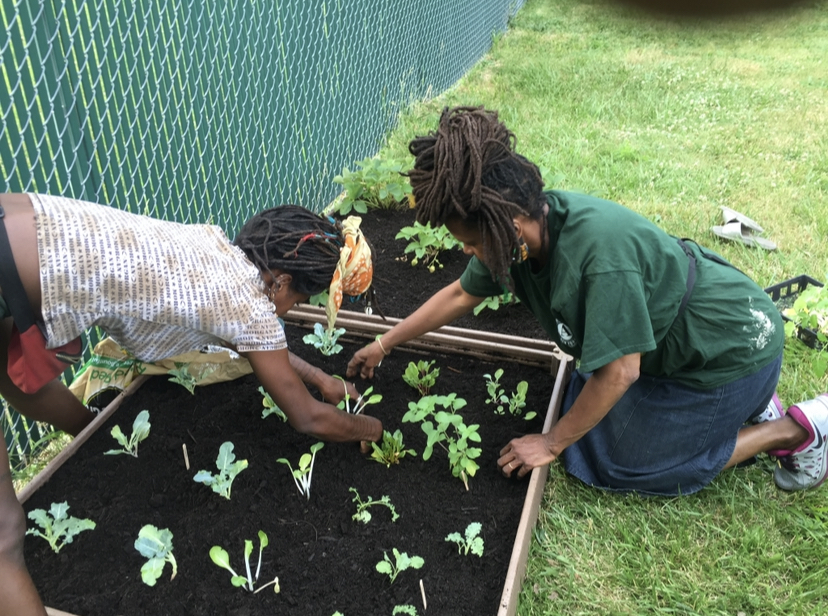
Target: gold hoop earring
521	252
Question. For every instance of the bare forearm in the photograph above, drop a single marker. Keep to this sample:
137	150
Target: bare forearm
308	373
442	308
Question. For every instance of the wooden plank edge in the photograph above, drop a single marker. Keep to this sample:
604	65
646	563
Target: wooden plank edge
44	475
531	506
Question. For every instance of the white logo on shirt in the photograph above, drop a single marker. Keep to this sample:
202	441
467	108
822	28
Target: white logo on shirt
565	334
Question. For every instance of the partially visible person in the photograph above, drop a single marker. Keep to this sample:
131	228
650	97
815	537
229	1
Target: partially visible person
159	289
679	351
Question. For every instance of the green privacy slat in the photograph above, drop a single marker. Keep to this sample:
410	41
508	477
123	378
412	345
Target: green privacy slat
209	110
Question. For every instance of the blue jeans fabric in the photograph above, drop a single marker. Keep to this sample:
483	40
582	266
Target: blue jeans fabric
663	437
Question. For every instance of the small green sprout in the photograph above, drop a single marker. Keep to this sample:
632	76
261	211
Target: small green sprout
363	515
156	546
220	557
228	468
359	405
325	339
59	528
497	396
140	431
270	407
391	450
303	474
409	610
494	302
427	243
402	561
421	376
471	543
183	375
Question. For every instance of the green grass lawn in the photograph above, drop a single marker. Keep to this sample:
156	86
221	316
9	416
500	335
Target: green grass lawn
674	119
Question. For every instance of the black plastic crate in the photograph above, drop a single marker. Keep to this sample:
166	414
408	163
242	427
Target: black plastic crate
789	289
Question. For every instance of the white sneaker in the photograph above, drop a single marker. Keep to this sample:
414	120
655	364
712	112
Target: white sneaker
807	465
773	411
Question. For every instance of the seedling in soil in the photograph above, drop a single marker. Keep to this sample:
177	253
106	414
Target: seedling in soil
355	407
325	339
59	528
472	542
427	243
156	546
461	455
270	407
379	184
363	515
402	561
810	311
421	376
391	449
228	468
494	302
409	610
140	431
303	474
497	396
220	557
182	375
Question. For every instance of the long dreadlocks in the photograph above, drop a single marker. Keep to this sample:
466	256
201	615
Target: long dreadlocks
469	170
296	241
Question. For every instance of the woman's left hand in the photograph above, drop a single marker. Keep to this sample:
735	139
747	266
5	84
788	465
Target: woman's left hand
334	390
524	454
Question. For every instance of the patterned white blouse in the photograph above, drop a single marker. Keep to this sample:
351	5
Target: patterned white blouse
157	288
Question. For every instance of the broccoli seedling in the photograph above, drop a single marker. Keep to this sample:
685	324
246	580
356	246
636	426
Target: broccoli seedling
427	243
303	474
270	407
356	407
472	542
363	515
220	557
402	561
156	546
182	375
59	528
325	339
228	468
140	431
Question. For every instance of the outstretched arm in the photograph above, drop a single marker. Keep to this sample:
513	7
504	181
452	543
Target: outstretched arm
600	393
333	390
441	309
305	413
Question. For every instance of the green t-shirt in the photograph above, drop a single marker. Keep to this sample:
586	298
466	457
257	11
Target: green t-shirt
613	284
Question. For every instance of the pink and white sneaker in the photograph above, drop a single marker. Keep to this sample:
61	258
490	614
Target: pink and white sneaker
807	465
773	411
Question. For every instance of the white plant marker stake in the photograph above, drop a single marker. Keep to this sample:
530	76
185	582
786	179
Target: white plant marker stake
422	592
186	458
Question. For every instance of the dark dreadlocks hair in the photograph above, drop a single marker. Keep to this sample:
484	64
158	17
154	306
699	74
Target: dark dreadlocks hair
469	170
296	241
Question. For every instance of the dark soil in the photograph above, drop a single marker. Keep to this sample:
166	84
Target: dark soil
324	559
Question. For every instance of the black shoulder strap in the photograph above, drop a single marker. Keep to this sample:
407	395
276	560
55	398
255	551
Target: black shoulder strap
10	283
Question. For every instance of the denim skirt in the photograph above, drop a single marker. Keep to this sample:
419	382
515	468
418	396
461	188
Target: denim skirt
663	437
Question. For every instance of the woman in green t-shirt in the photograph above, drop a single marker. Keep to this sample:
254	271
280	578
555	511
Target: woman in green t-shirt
679	352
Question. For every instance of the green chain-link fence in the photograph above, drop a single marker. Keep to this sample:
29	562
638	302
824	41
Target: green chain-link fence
209	110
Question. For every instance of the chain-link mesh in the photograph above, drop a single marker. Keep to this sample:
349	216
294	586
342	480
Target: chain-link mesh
209	110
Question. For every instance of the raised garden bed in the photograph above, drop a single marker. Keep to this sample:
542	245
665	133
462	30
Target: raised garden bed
324	559
785	293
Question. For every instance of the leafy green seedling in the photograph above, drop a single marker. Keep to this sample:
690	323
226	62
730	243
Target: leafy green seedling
228	468
140	431
421	376
391	449
427	243
156	546
270	407
494	302
356	407
402	561
59	528
377	184
409	610
363	515
472	542
320	299
183	375
220	557
517	401
497	395
810	311
303	474
325	339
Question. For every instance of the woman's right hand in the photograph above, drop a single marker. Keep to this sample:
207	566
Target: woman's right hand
365	360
